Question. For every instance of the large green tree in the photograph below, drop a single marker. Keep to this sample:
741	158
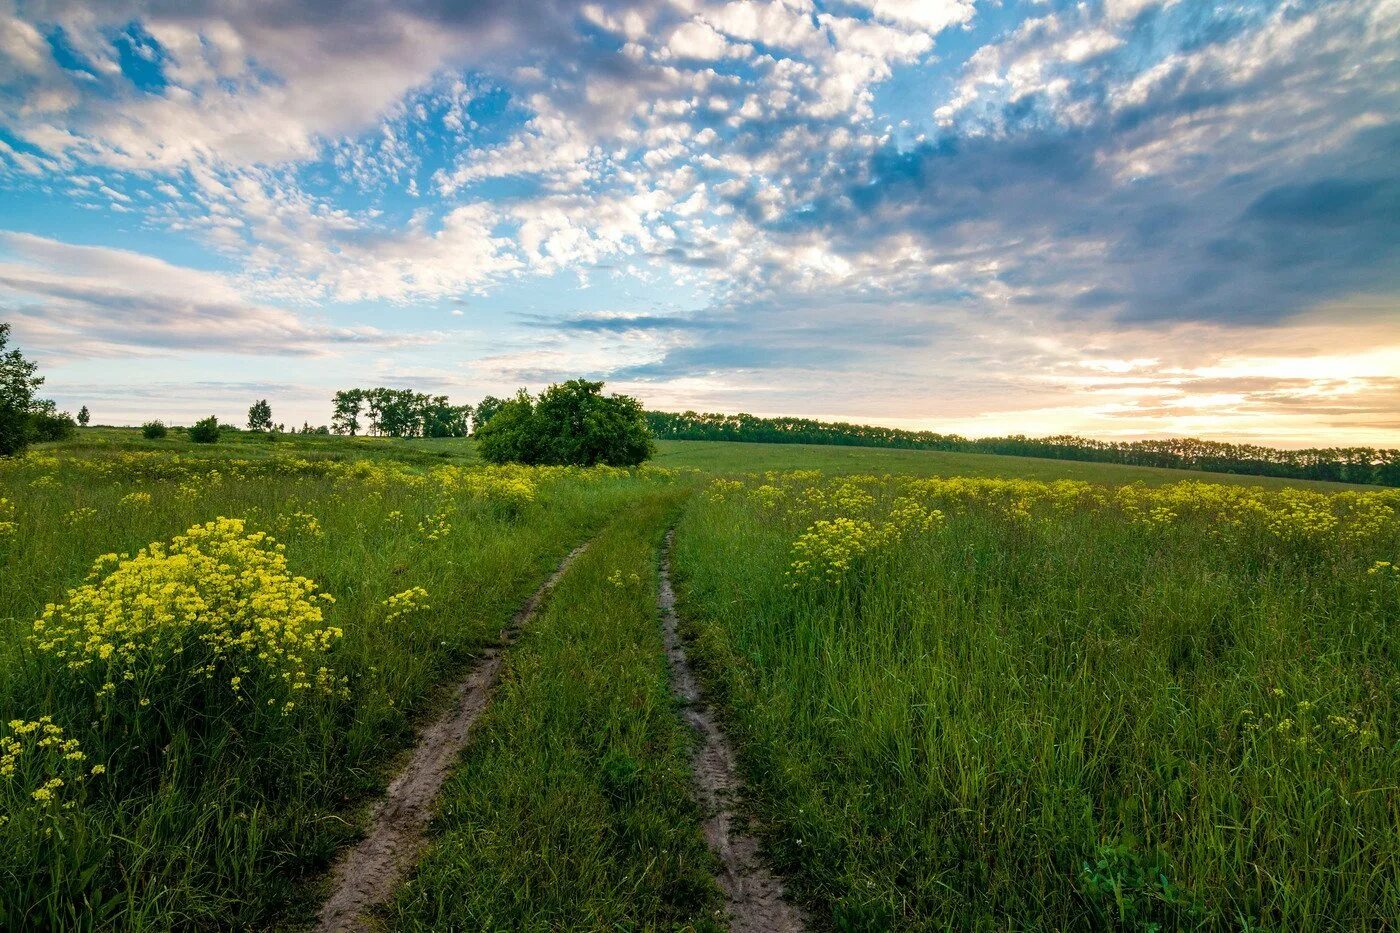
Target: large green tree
572	423
18	383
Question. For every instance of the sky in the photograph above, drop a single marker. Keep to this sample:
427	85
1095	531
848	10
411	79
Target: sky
1118	218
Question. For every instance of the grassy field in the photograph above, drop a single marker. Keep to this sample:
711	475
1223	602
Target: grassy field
1141	701
722	457
251	798
985	704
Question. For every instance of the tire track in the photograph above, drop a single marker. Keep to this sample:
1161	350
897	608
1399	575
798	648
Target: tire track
367	875
754	895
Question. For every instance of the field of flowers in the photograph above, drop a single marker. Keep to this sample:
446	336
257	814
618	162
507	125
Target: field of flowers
988	703
207	662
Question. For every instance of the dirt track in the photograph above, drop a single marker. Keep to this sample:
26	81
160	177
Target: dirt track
755	895
368	874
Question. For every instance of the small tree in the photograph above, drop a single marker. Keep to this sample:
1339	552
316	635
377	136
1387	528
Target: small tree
205	431
153	430
571	423
260	416
17	386
83	416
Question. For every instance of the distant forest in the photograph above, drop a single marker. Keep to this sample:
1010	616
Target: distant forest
1339	464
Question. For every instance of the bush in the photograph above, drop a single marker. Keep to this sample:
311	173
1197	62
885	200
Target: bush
153	430
205	431
570	424
45	425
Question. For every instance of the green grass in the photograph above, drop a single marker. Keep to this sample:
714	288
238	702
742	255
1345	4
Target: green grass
230	835
727	457
722	457
1058	707
572	807
1061	716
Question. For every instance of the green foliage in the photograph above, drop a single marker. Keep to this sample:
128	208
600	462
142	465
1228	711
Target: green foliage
153	430
46	424
17	387
1333	464
486	409
571	423
83	416
1132	891
260	416
399	413
205	431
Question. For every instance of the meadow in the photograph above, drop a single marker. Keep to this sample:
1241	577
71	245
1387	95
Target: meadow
990	704
967	691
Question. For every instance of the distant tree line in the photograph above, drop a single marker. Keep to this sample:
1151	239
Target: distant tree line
398	413
1341	464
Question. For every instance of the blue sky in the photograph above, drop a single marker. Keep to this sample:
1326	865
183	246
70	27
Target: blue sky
1123	218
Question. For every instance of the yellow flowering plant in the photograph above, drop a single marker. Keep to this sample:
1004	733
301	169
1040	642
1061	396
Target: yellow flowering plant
42	773
401	605
209	621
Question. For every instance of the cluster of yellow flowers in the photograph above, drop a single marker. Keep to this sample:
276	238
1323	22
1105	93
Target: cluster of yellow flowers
401	605
301	523
829	548
36	763
1385	568
435	527
1302	725
80	515
1288	516
618	580
7	517
512	486
216	602
134	500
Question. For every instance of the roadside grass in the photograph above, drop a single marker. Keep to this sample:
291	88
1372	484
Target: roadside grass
1058	707
572	807
210	813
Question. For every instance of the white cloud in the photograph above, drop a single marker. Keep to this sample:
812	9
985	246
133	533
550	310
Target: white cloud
98	301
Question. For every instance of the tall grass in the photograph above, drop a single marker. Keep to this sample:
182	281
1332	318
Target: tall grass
572	808
209	814
1025	705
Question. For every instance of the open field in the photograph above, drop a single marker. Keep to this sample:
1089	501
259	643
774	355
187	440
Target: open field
716	457
978	704
958	703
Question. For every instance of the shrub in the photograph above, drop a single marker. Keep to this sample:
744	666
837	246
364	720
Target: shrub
571	424
205	431
153	430
47	425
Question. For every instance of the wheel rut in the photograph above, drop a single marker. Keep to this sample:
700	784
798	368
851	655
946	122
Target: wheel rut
367	875
755	898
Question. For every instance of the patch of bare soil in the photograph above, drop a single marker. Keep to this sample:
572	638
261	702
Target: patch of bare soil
754	894
367	875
